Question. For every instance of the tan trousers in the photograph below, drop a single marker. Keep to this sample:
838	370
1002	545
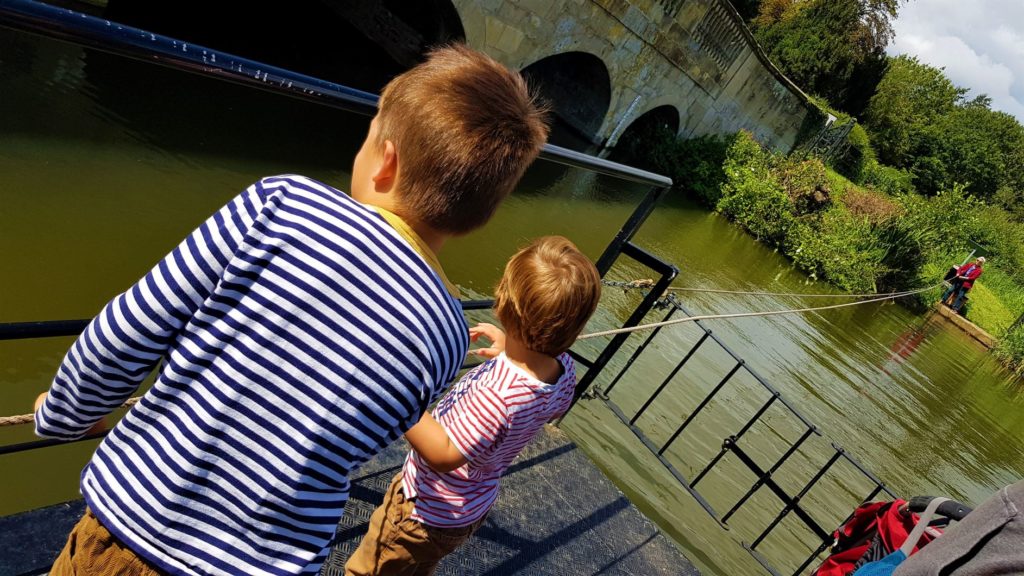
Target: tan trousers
397	545
92	550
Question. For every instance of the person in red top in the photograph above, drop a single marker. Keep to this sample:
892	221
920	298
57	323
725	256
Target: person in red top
965	277
450	479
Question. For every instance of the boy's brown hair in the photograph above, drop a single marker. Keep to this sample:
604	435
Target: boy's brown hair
546	295
465	128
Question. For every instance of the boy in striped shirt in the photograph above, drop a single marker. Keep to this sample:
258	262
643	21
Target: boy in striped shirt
298	332
450	478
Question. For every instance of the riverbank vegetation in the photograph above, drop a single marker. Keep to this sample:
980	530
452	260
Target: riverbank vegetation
923	176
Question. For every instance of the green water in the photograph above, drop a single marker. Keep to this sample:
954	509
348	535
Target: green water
107	163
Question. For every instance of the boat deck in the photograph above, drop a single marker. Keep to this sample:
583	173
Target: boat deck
557	515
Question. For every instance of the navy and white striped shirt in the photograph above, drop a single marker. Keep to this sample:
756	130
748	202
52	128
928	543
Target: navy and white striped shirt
300	334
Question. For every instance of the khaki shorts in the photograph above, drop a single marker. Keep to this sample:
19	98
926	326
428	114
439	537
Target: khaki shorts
91	549
397	545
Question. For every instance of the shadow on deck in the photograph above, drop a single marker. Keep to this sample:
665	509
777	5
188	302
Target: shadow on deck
557	515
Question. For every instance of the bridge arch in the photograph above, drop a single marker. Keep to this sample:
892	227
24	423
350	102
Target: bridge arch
578	88
663	117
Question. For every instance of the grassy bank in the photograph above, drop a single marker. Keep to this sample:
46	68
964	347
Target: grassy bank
875	236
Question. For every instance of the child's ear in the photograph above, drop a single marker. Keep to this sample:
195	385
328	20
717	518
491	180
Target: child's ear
387	170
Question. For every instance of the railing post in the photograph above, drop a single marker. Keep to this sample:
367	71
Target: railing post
701	406
629	229
668	378
639	351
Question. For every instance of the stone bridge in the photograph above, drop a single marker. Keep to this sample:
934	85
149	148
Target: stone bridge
607	66
611	64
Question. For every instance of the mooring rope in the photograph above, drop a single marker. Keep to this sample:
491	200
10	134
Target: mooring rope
612	332
638	284
648	283
29	418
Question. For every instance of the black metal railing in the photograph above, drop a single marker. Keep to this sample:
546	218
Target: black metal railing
731	444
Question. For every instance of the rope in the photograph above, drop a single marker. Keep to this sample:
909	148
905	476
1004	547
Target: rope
26	418
750	314
29	418
647	283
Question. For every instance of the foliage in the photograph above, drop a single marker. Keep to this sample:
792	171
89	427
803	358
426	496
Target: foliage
695	165
1011	350
1003	237
822	44
839	247
910	97
953	214
703	172
747	9
857	156
856	153
972	145
752	195
886	179
806	183
875	207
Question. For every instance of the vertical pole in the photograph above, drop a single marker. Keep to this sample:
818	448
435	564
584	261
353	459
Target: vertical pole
701	406
619	339
629	229
668	378
639	351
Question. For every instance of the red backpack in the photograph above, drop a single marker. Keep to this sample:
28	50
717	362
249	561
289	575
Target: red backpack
875	530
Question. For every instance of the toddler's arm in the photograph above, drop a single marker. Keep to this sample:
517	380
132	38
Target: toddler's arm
430	440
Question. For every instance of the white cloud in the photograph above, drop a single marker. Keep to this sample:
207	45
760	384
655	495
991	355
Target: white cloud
980	43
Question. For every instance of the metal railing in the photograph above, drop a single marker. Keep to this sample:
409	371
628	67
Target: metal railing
764	477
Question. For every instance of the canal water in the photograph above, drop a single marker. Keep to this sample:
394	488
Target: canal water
106	163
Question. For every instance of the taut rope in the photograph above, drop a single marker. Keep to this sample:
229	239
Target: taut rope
29	418
641	284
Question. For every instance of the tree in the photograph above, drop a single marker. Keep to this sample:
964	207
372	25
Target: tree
909	99
833	48
979	147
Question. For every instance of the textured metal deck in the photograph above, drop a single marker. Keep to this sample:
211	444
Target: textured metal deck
557	515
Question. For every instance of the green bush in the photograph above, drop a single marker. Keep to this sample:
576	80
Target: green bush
997	231
806	183
953	215
695	165
1011	350
892	181
838	247
857	156
904	255
752	194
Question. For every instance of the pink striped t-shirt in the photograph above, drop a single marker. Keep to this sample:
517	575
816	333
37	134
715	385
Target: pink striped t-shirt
490	415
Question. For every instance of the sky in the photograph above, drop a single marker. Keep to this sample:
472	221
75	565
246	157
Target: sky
979	42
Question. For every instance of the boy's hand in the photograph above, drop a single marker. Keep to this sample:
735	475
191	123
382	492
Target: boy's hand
490	332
